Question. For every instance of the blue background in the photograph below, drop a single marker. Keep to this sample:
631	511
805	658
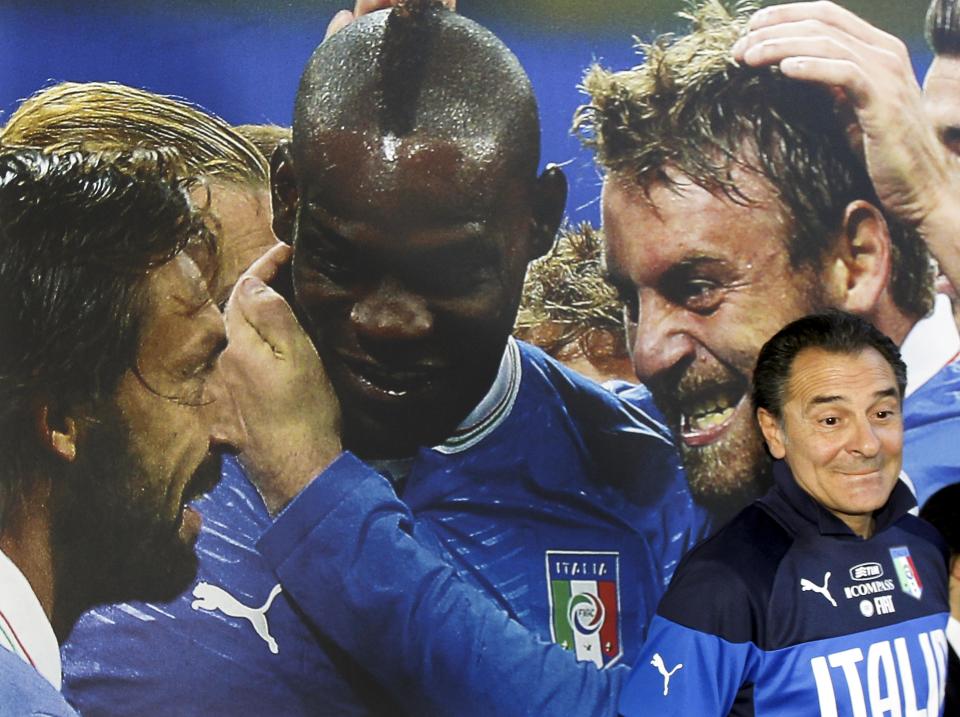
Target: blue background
242	60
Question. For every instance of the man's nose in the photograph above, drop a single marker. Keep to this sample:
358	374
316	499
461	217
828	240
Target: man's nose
658	338
227	432
391	312
863	438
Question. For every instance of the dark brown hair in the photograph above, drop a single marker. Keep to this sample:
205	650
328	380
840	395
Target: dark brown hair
78	234
690	107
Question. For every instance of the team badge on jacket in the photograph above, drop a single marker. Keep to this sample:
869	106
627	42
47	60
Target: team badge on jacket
906	572
584	594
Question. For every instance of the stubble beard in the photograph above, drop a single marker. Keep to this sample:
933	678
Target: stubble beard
111	543
730	473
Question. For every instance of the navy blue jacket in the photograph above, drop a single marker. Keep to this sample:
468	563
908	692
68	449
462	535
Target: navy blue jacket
787	612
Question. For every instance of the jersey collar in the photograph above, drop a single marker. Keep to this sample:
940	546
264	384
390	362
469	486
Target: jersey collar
493	408
24	628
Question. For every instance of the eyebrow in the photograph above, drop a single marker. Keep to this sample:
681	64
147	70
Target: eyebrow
679	269
461	240
885	393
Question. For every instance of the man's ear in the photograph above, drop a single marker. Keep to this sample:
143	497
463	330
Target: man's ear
860	271
283	192
550	198
58	433
772	431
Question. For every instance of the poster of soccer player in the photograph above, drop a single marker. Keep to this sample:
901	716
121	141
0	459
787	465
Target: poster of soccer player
536	516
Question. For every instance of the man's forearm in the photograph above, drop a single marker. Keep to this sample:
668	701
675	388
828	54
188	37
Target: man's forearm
349	553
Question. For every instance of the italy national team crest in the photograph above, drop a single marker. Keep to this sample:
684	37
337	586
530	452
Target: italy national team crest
906	572
584	593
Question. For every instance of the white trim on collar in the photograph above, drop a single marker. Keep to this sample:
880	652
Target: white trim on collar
932	343
493	409
24	627
953	634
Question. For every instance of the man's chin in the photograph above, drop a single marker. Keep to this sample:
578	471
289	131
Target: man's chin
725	476
372	432
158	578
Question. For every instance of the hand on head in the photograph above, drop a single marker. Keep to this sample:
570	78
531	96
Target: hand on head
870	73
363	7
289	410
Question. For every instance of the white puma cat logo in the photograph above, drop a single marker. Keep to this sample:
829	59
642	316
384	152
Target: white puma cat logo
657	662
212	598
807	585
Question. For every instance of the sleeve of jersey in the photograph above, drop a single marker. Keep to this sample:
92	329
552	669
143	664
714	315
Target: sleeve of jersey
687	665
345	552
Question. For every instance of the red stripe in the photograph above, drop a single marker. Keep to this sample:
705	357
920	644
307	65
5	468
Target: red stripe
609	631
913	569
17	638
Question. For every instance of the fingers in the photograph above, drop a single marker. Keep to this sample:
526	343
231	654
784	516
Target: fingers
819	19
339	21
266	267
827	13
812	38
362	7
770	46
824	43
259	308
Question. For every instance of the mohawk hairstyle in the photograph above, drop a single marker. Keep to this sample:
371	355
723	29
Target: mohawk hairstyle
566	291
407	41
942	27
689	107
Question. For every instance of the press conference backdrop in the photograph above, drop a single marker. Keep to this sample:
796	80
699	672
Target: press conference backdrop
242	59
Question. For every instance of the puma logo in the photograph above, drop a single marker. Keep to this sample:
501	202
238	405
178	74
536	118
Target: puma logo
212	598
807	585
657	662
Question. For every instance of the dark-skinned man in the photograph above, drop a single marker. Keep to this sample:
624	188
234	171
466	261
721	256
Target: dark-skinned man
412	199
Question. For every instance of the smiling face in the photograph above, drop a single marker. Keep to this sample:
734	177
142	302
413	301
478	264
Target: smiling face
409	257
841	431
705	282
123	526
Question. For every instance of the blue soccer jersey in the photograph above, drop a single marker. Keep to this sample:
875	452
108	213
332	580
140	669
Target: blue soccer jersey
523	514
787	612
931	425
24	692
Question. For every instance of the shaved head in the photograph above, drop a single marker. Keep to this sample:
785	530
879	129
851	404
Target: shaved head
412	200
421	69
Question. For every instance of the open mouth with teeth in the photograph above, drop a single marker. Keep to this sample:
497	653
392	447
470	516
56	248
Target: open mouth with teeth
706	417
391	384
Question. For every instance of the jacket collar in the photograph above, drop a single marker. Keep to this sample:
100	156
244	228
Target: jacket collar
899	503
